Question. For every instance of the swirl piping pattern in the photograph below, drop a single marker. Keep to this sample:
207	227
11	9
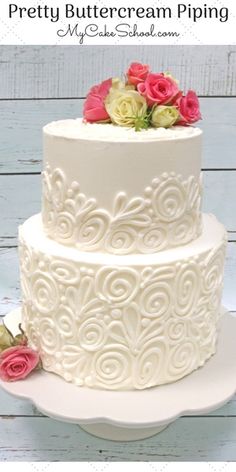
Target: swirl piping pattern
119	327
167	215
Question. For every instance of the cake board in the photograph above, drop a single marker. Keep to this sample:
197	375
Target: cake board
138	414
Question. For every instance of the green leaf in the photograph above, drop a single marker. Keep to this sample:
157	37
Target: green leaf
6	338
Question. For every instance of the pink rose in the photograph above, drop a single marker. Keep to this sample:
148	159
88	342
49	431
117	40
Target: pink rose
159	89
137	73
189	108
17	362
94	108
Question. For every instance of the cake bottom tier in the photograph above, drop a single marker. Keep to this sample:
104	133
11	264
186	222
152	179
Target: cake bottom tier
122	322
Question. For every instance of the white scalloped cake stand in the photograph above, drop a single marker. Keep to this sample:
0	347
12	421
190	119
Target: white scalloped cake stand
132	415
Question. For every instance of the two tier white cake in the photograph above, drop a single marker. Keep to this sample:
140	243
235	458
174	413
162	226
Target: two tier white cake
121	274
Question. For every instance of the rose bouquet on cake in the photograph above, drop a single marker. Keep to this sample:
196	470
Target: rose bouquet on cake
144	99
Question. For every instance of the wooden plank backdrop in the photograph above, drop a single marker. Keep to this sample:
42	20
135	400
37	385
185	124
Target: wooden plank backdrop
21	124
40	84
68	71
191	439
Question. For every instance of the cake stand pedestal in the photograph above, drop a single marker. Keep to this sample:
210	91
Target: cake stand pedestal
138	414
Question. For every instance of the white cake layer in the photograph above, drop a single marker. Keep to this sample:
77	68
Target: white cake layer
122	322
111	189
77	129
212	235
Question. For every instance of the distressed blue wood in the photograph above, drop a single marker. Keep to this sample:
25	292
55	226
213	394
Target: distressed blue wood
13	406
20	197
68	71
21	125
187	439
9	280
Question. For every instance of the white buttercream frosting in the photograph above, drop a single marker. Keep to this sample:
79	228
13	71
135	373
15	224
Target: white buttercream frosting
112	189
121	322
77	129
212	235
108	302
166	215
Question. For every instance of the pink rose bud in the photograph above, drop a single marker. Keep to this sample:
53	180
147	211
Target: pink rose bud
189	108
94	107
137	73
159	89
17	362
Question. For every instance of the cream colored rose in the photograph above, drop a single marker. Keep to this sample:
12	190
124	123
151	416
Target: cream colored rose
120	85
117	84
125	107
164	116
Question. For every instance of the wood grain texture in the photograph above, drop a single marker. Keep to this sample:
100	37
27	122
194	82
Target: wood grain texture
9	280
13	406
68	71
20	198
187	439
10	286
21	125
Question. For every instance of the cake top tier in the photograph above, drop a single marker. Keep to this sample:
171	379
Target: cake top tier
78	129
125	178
